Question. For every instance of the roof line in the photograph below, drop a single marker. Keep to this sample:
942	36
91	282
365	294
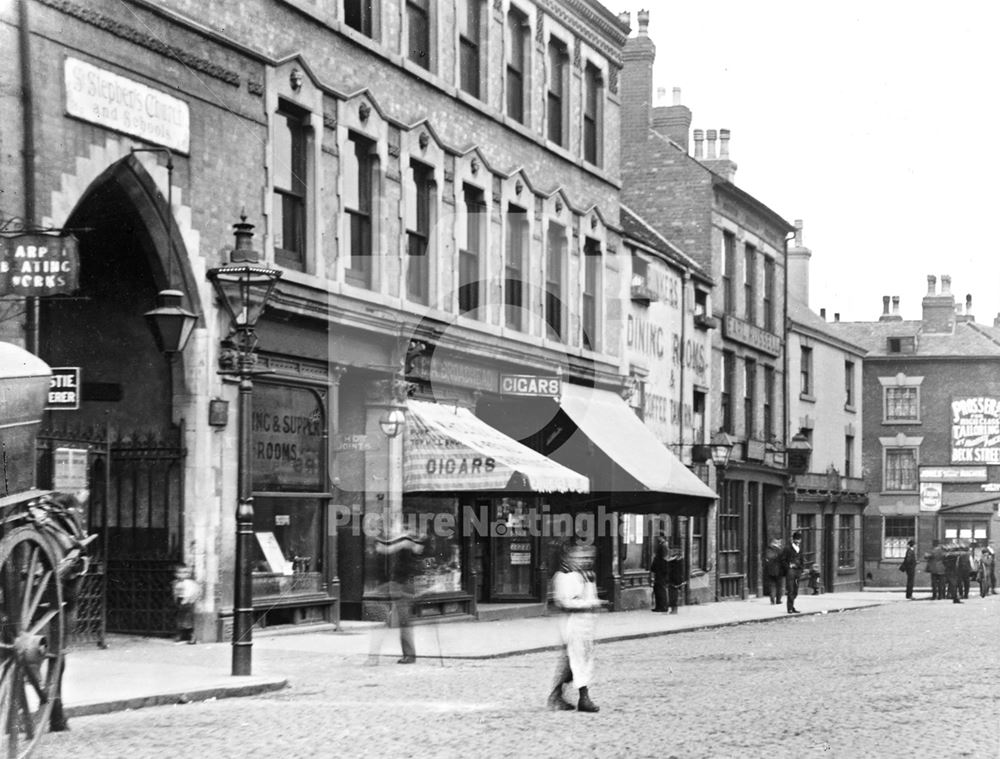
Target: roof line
690	261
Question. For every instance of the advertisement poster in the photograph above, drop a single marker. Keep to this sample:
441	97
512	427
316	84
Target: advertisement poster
975	431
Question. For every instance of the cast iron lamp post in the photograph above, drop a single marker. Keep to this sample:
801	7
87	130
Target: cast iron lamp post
243	287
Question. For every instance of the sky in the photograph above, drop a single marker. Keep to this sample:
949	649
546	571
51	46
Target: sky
872	122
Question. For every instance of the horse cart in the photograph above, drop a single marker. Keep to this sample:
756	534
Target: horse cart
43	557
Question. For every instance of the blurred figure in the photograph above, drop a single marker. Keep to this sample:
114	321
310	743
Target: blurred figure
186	593
675	577
935	565
985	572
909	566
405	565
814	579
967	566
658	574
951	572
791	566
772	568
574	589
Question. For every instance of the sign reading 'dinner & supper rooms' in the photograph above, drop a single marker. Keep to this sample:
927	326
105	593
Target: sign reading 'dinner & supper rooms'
116	102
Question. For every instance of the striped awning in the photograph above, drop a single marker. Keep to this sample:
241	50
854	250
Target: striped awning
449	449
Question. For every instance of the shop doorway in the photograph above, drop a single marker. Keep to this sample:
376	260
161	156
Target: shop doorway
505	554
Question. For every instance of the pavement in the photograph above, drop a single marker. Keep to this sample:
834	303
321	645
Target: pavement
131	672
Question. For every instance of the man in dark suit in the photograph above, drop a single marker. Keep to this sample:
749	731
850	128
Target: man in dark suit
909	566
791	565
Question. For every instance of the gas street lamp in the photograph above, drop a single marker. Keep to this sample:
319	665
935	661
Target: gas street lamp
243	287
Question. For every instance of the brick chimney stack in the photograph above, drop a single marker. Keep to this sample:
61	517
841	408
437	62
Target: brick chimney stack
885	309
636	90
699	141
723	165
798	267
966	314
673	121
939	308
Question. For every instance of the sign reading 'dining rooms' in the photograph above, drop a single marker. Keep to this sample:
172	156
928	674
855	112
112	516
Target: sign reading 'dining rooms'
112	101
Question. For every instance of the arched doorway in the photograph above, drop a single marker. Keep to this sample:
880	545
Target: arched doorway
125	418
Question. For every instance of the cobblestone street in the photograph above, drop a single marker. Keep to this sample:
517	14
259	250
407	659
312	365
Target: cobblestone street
917	679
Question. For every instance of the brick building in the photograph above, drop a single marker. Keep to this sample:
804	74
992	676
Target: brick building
826	502
931	433
691	200
438	185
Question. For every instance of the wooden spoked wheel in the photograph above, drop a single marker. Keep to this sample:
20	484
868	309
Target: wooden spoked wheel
31	639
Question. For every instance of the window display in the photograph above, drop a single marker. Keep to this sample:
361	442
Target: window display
288	550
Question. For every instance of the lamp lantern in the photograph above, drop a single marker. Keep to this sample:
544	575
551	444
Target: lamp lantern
170	323
392	423
722	448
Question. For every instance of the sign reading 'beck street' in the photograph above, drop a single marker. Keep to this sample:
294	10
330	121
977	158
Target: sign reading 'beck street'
530	384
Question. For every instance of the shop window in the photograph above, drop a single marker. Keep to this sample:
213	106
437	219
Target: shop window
845	541
592	266
634	545
699	543
728	272
900	470
419	190
359	15
291	185
730	533
437	520
750	283
896	531
288	550
359	169
469	45
592	114
517	44
555	255
556	101
966	529
806	524
470	258
418	22
514	285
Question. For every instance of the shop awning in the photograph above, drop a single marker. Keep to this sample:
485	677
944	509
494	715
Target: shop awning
633	449
449	449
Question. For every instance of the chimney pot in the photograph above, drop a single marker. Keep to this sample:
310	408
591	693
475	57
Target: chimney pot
836	316
798	233
677	95
931	284
946	284
710	147
723	143
822	314
699	139
661	95
625	18
968	302
885	305
643	17
895	304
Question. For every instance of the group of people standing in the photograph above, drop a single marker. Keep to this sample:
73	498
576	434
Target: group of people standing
784	566
952	567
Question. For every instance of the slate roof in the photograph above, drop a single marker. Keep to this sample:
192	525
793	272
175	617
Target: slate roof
969	339
808	320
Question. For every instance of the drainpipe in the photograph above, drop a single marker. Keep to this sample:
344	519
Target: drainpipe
685	279
789	491
31	303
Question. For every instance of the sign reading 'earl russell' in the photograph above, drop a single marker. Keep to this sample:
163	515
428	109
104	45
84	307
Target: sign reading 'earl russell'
39	264
115	102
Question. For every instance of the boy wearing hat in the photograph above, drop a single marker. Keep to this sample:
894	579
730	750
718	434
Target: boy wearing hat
791	564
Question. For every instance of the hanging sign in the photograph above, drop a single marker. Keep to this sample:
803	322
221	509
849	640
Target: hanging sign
39	264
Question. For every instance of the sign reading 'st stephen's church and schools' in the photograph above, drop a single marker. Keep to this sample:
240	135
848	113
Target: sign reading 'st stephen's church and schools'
975	430
124	105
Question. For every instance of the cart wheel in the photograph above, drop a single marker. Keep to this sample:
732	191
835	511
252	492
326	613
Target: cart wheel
31	639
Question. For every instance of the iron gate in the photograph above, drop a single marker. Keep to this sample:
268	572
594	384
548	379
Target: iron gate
136	510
